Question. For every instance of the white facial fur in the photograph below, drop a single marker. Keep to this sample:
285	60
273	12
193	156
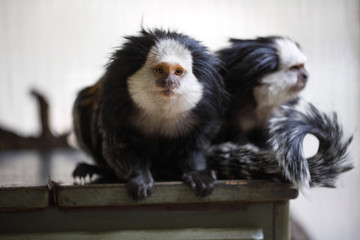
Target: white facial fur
277	86
159	114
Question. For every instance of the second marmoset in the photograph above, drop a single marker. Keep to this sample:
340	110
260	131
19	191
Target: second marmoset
260	75
153	113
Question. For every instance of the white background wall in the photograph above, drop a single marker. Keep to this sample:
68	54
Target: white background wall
59	47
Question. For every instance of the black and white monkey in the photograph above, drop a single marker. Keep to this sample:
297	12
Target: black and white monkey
153	113
264	77
260	75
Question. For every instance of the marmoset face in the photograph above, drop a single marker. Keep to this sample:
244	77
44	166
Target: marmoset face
285	83
166	80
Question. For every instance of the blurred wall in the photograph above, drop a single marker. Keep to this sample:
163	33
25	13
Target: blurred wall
59	47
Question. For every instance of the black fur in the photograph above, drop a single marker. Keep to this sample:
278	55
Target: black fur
246	61
285	161
117	144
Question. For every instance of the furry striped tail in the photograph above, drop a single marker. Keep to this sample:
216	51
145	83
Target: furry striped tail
284	160
233	161
288	129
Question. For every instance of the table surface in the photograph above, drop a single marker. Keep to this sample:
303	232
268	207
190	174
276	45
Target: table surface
30	175
39	185
34	168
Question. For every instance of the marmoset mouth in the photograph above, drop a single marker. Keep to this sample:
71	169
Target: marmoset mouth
167	93
299	86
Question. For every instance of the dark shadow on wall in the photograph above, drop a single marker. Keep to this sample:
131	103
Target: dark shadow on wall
9	140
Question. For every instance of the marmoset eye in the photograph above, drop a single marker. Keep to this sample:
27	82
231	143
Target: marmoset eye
159	70
179	72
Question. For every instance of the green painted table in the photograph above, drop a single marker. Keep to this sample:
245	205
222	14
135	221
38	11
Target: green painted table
39	200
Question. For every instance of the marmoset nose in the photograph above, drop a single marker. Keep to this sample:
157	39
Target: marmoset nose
171	82
304	74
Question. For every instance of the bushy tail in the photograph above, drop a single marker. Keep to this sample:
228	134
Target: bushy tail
285	160
287	130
